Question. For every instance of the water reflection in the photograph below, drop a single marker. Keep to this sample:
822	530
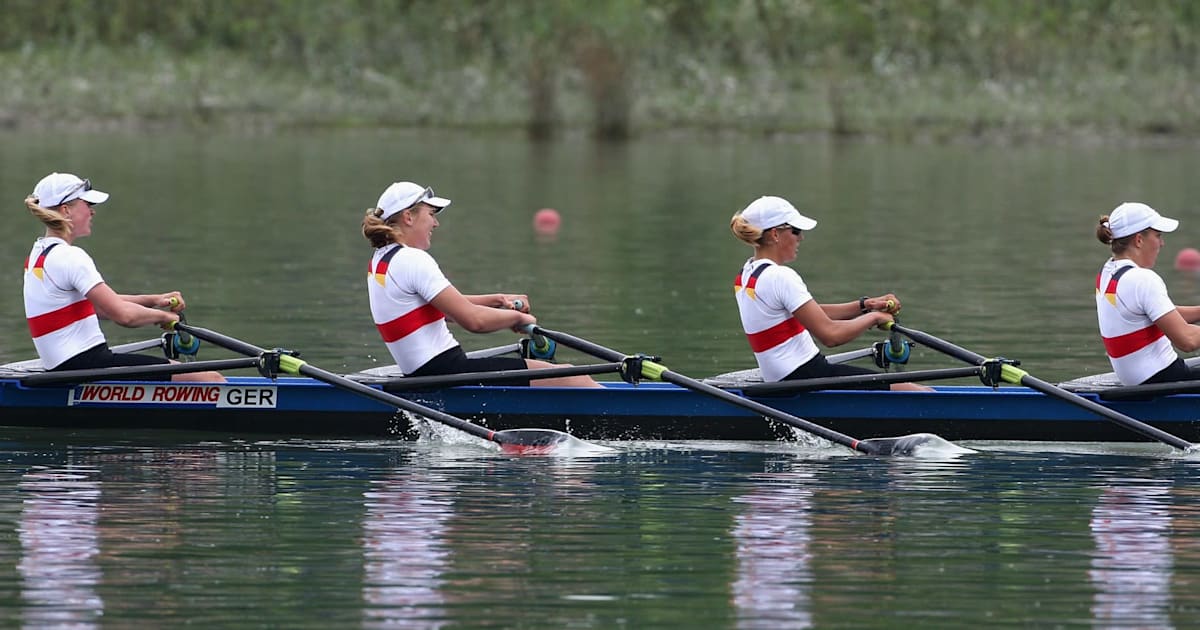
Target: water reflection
59	545
772	536
405	551
1132	568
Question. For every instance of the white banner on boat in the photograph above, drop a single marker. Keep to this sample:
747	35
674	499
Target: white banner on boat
221	396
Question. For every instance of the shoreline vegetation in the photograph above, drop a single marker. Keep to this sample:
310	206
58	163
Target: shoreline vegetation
897	70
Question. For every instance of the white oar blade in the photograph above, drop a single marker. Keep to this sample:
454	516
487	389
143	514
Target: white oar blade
925	445
545	442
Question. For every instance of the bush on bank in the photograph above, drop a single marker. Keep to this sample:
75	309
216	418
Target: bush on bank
892	68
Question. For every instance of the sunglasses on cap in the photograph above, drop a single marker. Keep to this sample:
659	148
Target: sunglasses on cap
795	230
428	194
81	187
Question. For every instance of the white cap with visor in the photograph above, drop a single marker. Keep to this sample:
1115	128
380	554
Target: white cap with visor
401	196
1131	217
765	213
56	189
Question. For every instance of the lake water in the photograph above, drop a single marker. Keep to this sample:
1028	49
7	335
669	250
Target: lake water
989	247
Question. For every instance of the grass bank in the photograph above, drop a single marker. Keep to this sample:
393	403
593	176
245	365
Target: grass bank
895	69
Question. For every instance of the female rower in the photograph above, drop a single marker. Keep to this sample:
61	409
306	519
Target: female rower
780	316
1138	322
411	299
65	296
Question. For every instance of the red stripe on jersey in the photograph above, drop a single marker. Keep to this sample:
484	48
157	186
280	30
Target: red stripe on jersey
47	323
408	323
1117	347
764	340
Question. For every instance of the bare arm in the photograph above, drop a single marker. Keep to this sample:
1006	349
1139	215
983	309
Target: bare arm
849	310
835	332
1190	314
1183	335
475	317
500	300
156	300
125	312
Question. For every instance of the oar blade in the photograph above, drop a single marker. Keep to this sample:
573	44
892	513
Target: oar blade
544	442
914	445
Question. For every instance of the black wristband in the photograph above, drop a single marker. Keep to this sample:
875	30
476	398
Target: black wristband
862	305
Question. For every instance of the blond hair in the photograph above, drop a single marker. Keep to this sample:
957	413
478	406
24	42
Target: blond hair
56	221
744	231
379	232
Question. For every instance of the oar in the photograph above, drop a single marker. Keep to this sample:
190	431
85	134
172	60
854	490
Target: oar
405	383
844	382
1011	374
904	445
1152	390
131	371
516	441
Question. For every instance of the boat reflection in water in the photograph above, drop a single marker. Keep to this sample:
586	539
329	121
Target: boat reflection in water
1132	566
772	535
59	547
404	549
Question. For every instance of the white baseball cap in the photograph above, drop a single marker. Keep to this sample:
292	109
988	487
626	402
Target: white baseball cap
56	189
401	196
1132	217
765	213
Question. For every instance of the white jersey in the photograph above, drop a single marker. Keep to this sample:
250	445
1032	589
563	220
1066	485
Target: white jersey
401	283
1128	301
767	296
61	320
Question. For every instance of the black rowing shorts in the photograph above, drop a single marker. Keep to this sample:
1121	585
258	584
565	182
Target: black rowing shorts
819	367
455	361
101	357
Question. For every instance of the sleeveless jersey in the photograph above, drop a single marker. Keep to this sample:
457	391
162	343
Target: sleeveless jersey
62	322
401	283
1128	301
767	296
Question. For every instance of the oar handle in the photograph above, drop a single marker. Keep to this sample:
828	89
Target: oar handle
539	346
183	342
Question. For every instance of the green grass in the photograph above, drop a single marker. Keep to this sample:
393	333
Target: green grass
149	85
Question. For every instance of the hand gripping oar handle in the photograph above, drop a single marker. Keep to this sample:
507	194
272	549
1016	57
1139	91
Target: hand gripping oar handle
539	346
293	365
183	343
655	371
1012	374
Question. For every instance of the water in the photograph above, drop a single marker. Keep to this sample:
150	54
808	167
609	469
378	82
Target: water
162	529
989	247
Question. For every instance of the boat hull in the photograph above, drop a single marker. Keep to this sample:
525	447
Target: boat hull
619	411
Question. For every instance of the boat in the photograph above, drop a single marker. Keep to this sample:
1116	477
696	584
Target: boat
301	406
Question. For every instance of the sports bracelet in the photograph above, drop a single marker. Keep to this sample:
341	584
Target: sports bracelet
862	305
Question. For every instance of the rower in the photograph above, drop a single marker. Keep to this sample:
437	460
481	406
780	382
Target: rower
65	296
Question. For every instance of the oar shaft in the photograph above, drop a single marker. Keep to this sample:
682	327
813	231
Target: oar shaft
770	412
316	373
812	384
666	375
1134	425
940	345
129	371
475	378
1017	376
